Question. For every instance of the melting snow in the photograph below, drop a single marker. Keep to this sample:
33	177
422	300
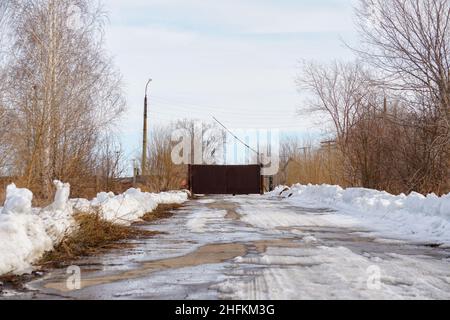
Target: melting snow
413	217
26	233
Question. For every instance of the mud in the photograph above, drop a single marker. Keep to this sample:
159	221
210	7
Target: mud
230	207
209	254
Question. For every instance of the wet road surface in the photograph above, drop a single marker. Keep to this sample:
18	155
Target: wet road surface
252	247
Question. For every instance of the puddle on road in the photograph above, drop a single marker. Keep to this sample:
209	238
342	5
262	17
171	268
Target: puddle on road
229	207
208	254
228	250
261	246
363	242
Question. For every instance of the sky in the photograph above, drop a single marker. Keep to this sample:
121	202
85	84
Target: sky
236	60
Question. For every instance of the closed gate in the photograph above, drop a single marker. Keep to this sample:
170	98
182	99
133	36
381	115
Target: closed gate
216	179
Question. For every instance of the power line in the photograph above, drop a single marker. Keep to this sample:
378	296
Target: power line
215	108
239	117
169	119
260	122
254	114
236	137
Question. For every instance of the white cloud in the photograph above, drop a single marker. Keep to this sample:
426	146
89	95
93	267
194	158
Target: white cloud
236	55
249	16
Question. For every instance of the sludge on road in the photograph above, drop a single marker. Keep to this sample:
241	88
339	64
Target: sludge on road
253	247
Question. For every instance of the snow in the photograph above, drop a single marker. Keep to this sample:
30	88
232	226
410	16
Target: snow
26	233
132	205
17	200
80	205
337	273
170	197
124	208
272	217
203	218
206	201
317	260
411	217
58	217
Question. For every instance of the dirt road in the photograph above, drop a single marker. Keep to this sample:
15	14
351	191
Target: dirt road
253	247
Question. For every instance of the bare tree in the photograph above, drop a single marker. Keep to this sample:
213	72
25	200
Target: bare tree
343	92
109	163
302	161
66	92
392	123
4	152
358	110
408	41
340	90
208	138
203	138
163	172
4	15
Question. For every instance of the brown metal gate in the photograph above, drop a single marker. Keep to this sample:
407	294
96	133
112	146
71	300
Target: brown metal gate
216	179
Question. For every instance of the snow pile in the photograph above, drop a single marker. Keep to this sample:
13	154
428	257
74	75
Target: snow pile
176	197
132	205
27	233
322	272
58	217
17	200
80	205
124	208
414	216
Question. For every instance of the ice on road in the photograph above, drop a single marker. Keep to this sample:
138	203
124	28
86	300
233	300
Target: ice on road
253	247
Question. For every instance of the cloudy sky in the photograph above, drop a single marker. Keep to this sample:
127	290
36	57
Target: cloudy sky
234	59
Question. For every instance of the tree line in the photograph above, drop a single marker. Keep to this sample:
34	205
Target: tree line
390	108
60	94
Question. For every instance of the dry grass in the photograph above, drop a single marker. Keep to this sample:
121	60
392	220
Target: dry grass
316	166
163	211
20	182
14	282
93	236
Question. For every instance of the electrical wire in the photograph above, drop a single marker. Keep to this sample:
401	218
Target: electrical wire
175	103
236	137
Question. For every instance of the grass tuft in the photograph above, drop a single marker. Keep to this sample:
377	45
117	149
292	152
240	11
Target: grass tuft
93	236
163	211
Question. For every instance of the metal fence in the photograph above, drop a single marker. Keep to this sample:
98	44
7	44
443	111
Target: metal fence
225	179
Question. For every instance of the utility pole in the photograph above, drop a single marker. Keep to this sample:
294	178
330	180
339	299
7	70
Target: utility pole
144	141
304	149
329	144
270	152
135	172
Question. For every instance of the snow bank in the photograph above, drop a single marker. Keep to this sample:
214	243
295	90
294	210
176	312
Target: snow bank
132	205
58	217
27	233
414	216
321	272
125	208
17	200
